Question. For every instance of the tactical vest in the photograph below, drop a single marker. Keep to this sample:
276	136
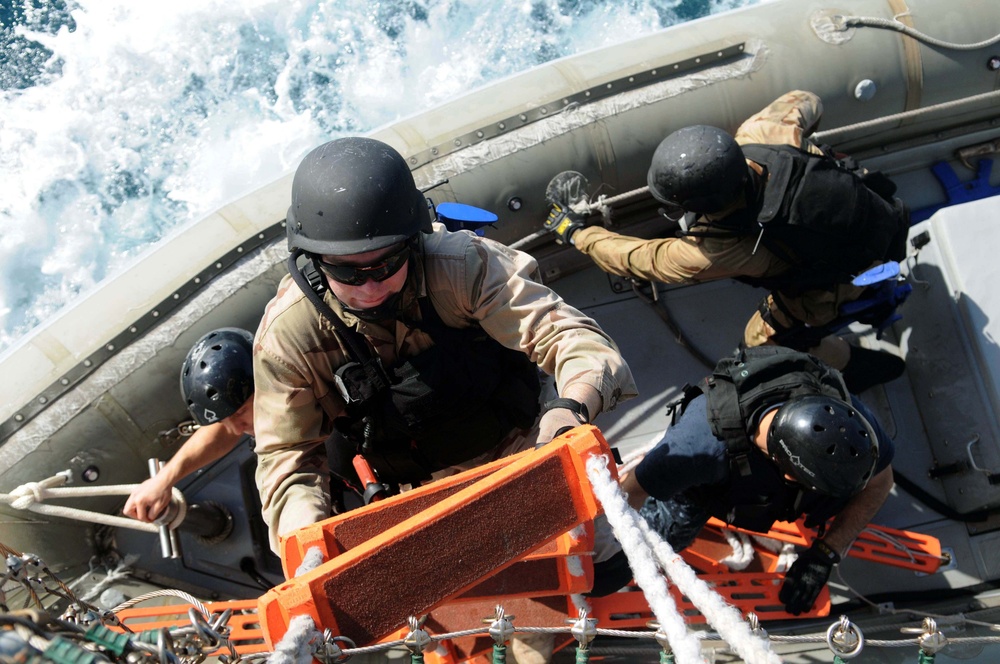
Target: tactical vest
826	217
454	401
738	392
447	405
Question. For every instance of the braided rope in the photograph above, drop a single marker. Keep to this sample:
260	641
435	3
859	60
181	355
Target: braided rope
31	496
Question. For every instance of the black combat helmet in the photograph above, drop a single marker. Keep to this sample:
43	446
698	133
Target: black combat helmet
354	195
700	168
825	444
217	374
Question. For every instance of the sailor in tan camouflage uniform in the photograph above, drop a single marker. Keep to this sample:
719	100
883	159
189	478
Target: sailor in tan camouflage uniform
701	170
457	323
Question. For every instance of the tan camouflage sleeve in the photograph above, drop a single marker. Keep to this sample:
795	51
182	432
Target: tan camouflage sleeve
514	308
292	474
674	260
787	120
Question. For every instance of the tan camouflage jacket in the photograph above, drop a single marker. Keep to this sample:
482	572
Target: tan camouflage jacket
470	280
787	120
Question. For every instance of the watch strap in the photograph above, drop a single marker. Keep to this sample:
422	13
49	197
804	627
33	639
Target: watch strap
578	408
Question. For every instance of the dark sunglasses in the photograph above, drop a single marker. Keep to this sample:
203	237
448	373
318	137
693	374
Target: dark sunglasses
355	275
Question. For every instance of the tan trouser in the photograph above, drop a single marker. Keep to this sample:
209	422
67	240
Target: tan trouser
532	648
813	308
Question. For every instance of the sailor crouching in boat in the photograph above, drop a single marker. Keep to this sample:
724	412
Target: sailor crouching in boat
217	386
771	435
769	208
416	347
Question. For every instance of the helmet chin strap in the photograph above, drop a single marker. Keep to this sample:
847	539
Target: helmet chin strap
387	309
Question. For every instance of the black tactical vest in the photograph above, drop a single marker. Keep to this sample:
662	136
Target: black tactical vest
827	218
444	406
738	392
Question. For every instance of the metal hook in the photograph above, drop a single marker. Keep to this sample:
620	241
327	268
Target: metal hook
845	639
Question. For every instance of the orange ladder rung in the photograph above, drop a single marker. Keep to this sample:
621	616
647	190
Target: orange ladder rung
343	532
245	632
747	591
915	551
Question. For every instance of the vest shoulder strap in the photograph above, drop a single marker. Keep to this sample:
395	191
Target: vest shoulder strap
742	387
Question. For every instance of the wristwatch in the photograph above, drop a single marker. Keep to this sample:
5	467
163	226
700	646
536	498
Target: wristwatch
579	409
823	549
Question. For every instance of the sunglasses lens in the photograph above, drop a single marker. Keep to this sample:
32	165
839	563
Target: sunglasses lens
353	275
345	275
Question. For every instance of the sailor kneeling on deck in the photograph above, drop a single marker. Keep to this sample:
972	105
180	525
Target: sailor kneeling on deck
771	435
416	347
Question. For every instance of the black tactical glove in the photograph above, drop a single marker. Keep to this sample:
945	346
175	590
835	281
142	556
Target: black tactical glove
564	222
807	576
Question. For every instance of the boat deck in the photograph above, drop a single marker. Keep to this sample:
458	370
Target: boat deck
942	414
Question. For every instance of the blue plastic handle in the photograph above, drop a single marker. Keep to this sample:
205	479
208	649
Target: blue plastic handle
882	272
464	214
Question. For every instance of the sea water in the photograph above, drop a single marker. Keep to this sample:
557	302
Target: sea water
123	120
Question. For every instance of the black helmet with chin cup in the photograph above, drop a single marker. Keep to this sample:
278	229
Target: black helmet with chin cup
825	444
217	374
351	196
700	168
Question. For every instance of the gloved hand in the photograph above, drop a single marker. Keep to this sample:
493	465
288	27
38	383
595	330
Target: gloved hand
564	222
557	419
807	576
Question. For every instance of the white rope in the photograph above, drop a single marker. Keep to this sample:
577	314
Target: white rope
622	518
122	570
295	646
726	619
785	551
31	496
92	517
632	459
786	557
25	494
310	561
742	554
580	603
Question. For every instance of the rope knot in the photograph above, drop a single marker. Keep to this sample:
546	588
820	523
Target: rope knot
27	495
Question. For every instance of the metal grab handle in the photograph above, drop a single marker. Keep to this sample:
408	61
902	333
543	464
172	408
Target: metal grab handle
972	459
170	543
991	477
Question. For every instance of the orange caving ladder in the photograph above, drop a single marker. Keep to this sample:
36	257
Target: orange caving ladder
516	532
